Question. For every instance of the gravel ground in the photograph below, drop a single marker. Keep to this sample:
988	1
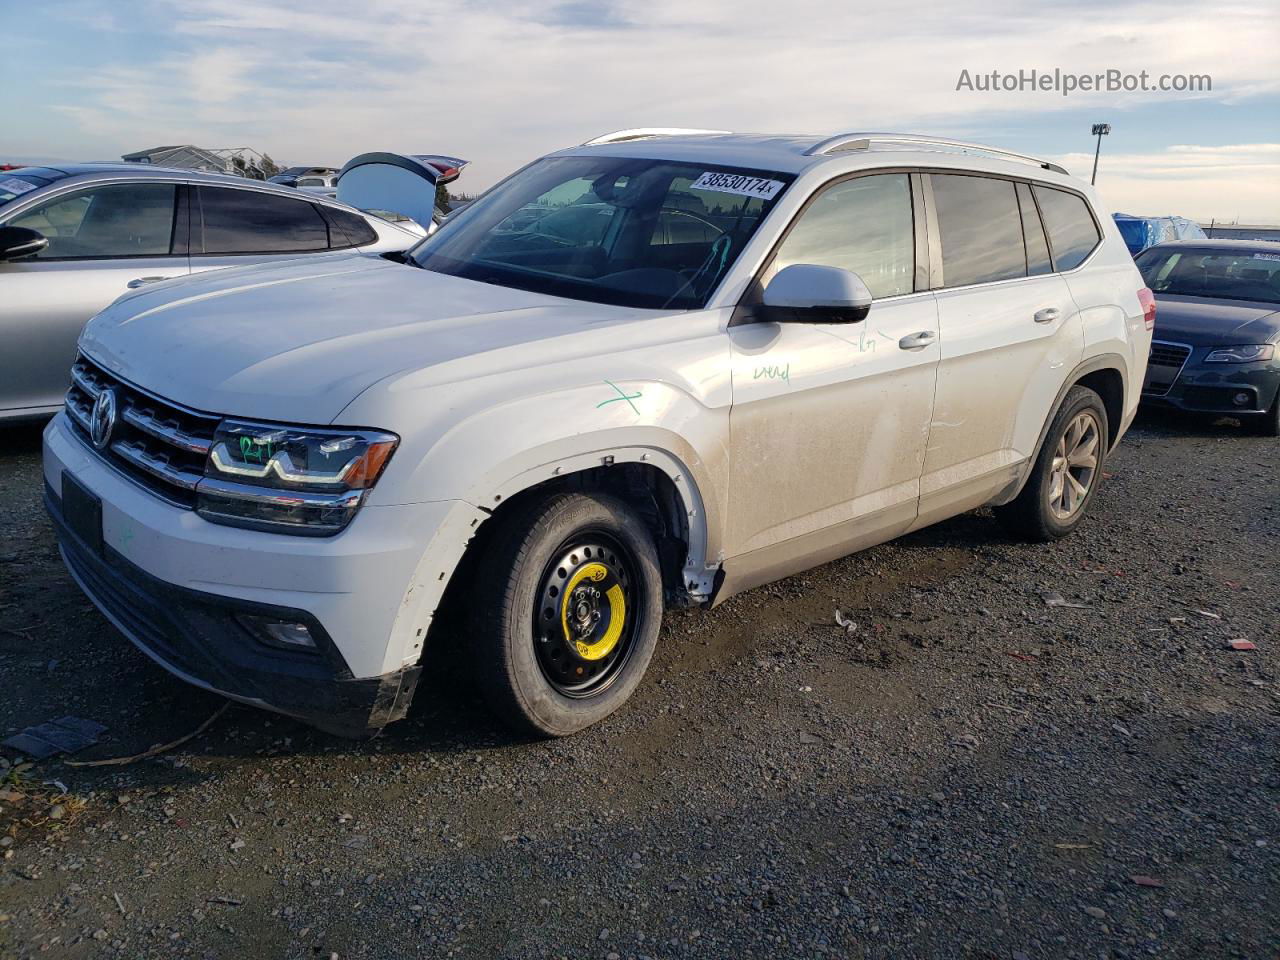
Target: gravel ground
973	772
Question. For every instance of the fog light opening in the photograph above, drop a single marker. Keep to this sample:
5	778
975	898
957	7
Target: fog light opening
1243	399
285	634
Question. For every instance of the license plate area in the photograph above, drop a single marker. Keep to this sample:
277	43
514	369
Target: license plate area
82	511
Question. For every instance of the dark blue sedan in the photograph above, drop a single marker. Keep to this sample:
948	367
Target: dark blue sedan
1217	339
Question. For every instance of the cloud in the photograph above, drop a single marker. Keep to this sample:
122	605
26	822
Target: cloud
1237	181
221	75
504	81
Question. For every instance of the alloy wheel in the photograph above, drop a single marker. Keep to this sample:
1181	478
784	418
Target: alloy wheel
1075	465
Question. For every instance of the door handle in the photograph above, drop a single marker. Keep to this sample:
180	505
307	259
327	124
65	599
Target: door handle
1047	315
137	282
917	341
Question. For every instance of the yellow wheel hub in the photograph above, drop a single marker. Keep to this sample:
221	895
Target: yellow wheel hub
583	624
577	608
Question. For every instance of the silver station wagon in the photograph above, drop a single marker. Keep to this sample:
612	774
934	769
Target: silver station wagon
75	237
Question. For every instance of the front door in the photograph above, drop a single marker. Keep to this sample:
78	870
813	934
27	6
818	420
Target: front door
102	240
829	421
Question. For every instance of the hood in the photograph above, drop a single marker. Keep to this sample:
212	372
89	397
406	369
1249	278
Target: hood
1215	322
297	342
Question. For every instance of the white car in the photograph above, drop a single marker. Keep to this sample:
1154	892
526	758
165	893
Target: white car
749	355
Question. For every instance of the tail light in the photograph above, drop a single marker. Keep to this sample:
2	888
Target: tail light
1148	301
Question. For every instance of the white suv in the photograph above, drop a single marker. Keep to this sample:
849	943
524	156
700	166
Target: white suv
658	368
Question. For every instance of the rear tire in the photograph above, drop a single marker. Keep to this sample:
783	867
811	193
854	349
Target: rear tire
565	610
1066	474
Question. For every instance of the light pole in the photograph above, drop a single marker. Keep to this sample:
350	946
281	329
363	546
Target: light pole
1100	130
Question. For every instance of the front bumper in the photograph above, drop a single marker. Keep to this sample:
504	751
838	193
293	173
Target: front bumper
176	586
199	638
1215	387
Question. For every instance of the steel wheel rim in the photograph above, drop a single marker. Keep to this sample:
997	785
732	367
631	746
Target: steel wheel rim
1075	465
587	616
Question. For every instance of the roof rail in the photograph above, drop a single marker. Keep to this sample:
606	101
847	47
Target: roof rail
846	142
646	133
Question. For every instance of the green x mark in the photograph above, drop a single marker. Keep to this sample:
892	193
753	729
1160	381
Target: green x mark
622	395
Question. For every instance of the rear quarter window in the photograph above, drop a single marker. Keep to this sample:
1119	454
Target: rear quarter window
348	229
1073	234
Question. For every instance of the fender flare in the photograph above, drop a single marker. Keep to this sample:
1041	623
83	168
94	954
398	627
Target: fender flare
453	537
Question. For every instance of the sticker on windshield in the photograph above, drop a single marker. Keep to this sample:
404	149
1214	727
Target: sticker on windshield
15	186
1266	256
739	184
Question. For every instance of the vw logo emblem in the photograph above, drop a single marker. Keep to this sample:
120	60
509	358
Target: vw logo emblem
103	419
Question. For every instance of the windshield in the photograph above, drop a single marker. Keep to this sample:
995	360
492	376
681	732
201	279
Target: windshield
15	183
639	233
1213	274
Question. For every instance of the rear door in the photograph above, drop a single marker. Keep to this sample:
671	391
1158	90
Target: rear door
233	227
103	240
1010	332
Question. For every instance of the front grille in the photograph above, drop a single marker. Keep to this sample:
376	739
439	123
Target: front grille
1164	365
158	444
1168	354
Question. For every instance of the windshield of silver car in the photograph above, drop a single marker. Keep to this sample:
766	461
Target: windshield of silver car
617	230
15	183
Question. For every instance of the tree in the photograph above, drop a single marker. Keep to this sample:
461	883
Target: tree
442	197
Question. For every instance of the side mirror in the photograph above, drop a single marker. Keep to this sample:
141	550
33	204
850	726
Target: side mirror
19	242
808	293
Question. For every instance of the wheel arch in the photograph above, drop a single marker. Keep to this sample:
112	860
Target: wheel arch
1108	383
662	488
1107	375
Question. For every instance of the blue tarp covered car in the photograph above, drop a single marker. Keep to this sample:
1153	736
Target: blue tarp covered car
1142	232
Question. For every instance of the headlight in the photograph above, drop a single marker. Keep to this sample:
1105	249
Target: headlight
290	480
1246	354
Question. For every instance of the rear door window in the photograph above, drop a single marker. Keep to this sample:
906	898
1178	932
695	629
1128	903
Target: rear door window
251	221
1073	234
115	220
980	229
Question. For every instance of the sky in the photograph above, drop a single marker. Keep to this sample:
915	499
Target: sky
503	82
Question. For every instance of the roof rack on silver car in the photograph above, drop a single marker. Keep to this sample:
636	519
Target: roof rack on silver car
846	142
646	133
